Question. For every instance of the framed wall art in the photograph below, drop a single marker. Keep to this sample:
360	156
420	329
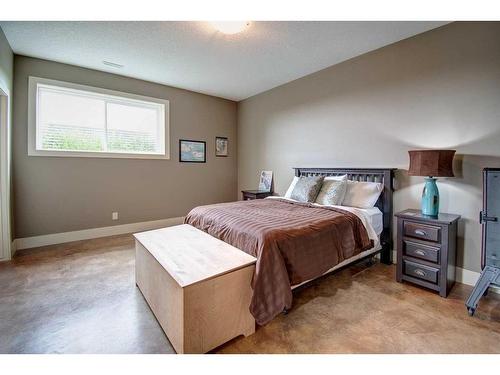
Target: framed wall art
221	144
192	151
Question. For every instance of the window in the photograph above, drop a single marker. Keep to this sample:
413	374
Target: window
73	120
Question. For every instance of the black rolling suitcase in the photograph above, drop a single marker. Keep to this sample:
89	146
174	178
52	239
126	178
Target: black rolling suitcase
490	248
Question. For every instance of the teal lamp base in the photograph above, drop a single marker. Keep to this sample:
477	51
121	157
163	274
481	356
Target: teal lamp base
430	198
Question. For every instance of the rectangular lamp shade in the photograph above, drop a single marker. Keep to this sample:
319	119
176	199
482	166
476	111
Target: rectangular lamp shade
433	163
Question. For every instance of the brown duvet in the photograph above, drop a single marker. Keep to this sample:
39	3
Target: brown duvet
293	242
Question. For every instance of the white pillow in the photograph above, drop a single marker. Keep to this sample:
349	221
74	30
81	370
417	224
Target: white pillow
336	178
362	194
332	192
288	193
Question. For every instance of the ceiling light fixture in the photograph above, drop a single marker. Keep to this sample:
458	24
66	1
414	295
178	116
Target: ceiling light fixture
230	27
112	64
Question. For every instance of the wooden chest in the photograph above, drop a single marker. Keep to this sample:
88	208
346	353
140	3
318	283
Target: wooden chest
197	286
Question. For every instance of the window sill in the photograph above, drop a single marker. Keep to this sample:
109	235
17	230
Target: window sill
107	155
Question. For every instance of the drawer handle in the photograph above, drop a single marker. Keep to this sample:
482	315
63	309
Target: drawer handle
420	232
419	272
420	252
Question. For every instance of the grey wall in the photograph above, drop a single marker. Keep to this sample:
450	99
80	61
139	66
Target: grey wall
440	89
57	194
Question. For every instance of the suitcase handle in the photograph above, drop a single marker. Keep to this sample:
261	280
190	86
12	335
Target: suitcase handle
483	217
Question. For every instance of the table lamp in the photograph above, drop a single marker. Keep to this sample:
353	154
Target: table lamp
432	164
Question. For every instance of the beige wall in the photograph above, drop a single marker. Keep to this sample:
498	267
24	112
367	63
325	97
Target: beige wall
437	89
56	194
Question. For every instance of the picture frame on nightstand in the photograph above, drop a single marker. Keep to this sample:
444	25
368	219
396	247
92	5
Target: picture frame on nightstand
266	181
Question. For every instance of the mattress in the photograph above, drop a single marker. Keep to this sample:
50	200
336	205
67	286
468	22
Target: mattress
376	219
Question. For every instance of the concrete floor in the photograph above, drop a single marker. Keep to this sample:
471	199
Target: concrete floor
81	298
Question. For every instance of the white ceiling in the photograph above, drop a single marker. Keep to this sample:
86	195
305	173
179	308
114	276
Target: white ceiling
193	56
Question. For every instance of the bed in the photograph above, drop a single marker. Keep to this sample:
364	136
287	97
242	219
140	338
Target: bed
296	242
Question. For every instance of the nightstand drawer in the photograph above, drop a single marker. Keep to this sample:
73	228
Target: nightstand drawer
424	232
417	250
420	271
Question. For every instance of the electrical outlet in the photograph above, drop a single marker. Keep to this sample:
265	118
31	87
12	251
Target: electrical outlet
114	216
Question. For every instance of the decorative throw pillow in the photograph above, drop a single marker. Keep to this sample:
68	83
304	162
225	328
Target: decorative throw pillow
288	193
332	192
307	188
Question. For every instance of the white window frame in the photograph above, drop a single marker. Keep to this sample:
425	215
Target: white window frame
33	150
5	174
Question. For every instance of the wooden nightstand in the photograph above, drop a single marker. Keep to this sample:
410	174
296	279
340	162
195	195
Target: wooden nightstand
255	194
427	250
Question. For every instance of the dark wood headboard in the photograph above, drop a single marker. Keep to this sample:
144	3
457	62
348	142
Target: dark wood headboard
384	203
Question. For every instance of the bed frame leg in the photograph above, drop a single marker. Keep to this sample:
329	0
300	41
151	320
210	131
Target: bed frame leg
386	254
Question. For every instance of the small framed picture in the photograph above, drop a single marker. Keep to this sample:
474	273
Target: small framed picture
266	181
221	146
192	151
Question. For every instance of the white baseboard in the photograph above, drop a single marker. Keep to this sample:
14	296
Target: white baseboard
86	234
469	277
462	275
466	277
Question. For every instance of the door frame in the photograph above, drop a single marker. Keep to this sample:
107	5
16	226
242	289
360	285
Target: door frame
5	164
